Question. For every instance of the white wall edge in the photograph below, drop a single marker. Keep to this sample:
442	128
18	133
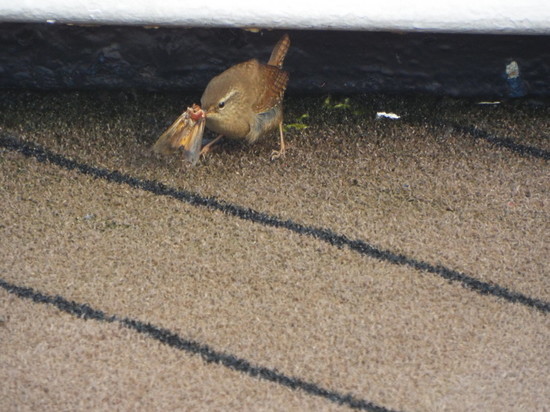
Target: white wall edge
453	16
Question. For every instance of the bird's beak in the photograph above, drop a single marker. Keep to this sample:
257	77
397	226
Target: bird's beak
208	111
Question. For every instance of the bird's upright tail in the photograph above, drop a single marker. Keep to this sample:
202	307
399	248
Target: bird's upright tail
279	52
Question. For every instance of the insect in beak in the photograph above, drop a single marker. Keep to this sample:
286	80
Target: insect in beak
187	132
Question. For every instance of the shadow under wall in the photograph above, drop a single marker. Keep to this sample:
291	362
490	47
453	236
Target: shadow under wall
46	56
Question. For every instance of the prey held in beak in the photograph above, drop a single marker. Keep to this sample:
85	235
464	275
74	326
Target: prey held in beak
187	132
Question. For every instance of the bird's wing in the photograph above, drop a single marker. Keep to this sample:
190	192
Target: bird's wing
273	88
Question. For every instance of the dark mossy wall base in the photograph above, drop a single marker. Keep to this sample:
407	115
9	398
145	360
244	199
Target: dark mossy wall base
41	56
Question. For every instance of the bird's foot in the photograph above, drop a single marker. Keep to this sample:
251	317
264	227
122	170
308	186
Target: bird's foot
277	154
210	146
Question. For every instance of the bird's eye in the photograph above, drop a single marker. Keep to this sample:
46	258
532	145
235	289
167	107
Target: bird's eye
221	104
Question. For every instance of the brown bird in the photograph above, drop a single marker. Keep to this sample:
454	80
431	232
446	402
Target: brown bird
245	101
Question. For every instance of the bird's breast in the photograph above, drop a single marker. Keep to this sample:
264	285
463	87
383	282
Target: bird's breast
264	123
233	127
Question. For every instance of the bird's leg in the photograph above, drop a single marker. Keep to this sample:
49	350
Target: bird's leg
275	154
207	147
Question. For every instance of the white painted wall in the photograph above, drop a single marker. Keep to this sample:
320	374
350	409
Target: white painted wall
473	16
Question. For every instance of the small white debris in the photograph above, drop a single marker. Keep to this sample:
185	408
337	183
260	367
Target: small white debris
512	70
489	103
379	115
50	21
516	86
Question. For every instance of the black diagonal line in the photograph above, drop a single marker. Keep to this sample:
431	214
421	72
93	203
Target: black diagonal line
326	235
207	353
505	142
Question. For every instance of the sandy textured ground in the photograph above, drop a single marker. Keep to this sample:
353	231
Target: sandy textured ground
382	264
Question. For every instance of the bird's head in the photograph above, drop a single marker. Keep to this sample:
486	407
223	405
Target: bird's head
222	98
